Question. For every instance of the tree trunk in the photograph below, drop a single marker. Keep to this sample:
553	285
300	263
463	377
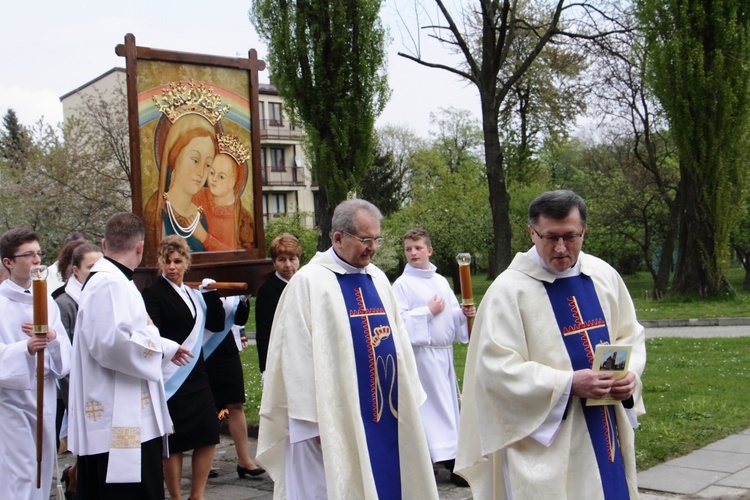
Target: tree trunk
697	271
499	196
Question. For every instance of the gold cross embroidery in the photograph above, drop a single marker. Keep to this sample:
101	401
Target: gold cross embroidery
94	410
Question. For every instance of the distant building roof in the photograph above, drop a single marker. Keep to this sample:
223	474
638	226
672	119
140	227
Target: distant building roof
100	77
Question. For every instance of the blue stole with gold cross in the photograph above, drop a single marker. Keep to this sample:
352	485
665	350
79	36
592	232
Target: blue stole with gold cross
377	379
581	320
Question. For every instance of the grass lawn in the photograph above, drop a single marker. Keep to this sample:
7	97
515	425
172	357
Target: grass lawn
695	390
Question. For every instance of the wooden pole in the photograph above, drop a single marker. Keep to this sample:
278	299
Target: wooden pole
39	291
238	286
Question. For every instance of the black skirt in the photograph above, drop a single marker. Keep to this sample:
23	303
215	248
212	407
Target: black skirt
225	376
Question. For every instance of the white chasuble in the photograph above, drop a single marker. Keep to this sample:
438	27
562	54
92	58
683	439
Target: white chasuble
517	369
311	376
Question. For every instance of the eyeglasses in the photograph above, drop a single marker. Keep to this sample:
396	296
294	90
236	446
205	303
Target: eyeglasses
30	255
366	241
552	239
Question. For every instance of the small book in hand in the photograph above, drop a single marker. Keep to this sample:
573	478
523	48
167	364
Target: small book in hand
613	358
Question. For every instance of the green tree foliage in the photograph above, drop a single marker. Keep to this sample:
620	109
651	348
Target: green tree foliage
449	200
327	58
485	51
698	53
635	132
14	140
66	183
293	224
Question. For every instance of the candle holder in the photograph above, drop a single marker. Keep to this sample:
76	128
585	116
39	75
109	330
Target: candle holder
464	274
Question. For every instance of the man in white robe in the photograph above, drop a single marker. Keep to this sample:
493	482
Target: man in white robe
317	415
525	431
20	250
434	320
118	411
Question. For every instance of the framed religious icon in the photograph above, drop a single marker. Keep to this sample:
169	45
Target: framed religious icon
195	159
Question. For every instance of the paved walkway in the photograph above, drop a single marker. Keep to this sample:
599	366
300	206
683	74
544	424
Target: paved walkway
719	471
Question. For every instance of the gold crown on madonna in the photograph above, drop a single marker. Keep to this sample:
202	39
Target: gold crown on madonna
232	146
182	98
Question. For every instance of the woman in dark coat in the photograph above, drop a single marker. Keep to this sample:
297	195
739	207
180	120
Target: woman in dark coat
181	314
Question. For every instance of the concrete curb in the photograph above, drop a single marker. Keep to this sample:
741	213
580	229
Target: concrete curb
679	323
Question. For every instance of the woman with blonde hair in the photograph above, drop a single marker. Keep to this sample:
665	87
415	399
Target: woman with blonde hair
181	314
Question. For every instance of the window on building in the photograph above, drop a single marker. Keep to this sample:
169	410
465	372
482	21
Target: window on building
277	159
274	204
262	109
274	114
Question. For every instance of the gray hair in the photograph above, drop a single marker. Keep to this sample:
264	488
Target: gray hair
345	214
557	205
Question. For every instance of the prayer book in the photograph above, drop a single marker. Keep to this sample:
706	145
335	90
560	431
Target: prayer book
614	358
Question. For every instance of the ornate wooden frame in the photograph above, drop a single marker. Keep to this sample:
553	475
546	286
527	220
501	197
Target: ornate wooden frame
245	265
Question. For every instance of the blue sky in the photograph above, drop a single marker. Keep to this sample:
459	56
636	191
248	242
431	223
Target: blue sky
51	47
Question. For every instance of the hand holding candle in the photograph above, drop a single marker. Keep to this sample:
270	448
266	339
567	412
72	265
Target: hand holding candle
467	293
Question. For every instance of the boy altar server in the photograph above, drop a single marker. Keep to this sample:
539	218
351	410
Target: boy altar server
434	320
20	250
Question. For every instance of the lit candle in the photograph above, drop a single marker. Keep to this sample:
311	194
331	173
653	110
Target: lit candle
38	276
464	274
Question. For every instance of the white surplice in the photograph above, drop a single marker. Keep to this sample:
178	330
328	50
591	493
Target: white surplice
18	395
517	372
117	398
432	338
311	379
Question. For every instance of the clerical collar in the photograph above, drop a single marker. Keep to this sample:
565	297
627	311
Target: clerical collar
421	273
573	271
125	270
281	277
350	269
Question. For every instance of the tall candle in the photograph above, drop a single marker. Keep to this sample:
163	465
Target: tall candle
464	275
39	288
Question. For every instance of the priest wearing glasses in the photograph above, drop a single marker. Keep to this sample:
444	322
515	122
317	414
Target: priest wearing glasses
525	429
340	417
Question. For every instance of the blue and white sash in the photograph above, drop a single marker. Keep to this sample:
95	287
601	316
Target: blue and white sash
377	379
581	320
175	375
211	340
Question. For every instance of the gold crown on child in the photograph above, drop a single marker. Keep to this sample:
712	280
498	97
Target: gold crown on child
232	146
182	98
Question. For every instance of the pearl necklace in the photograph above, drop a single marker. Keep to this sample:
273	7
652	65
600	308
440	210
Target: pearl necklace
185	232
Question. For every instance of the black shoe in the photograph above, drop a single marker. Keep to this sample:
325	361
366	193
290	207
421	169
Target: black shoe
65	479
213	473
241	471
458	480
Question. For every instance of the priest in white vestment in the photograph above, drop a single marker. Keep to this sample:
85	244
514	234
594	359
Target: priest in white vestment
525	430
20	250
118	414
340	416
434	320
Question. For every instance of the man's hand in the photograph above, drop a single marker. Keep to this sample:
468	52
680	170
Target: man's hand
436	305
182	357
622	389
589	384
